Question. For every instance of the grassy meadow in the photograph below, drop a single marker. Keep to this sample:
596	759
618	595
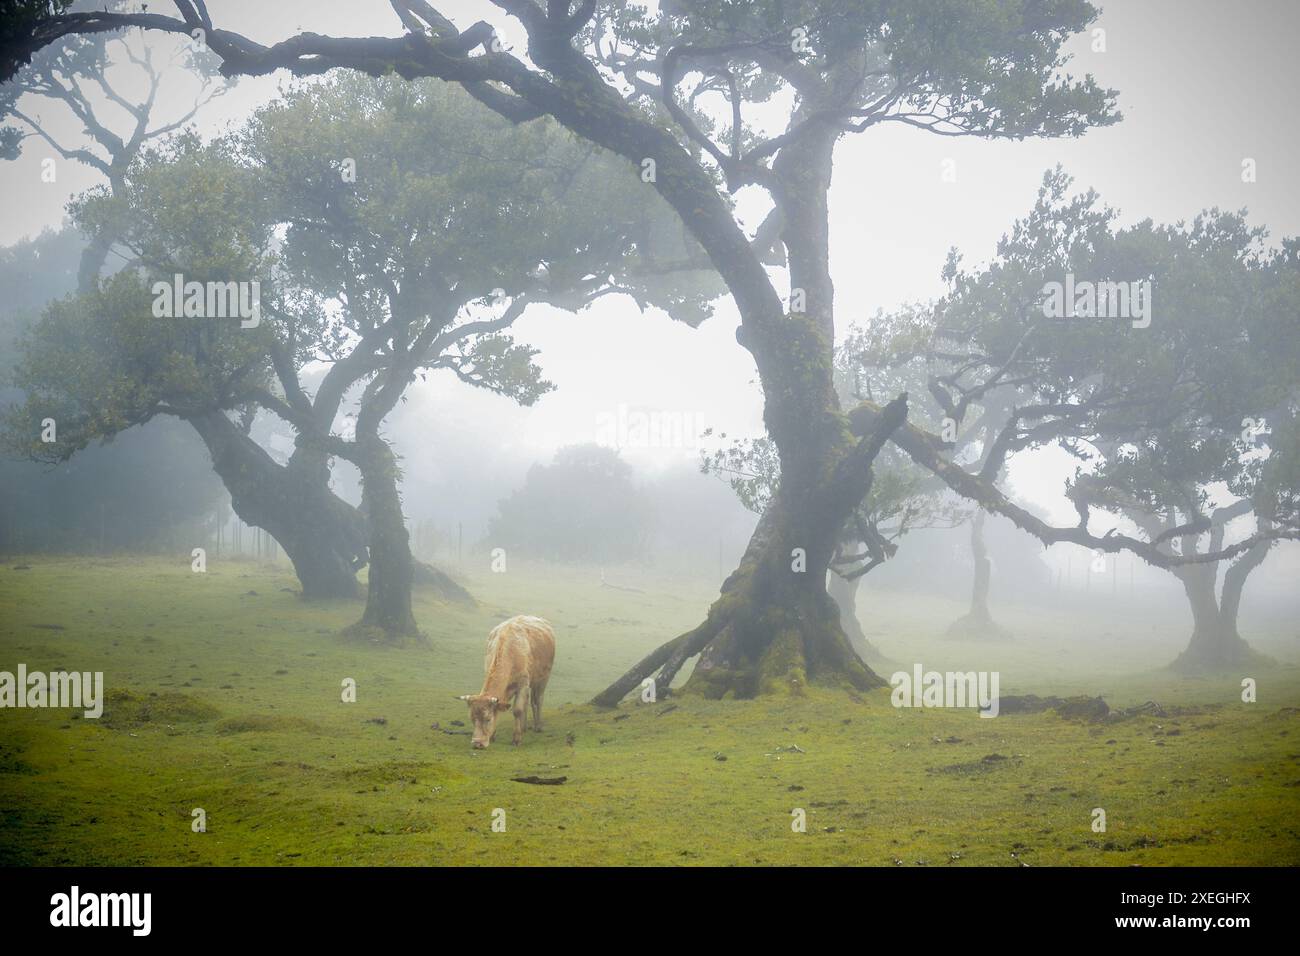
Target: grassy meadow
224	693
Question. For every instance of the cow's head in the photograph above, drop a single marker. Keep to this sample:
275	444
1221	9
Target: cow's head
483	712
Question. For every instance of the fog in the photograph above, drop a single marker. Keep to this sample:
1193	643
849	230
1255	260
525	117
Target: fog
474	392
894	216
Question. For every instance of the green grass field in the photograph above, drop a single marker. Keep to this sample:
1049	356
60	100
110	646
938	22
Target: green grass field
225	694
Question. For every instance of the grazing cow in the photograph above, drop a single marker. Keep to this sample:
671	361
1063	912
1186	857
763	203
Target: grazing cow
520	653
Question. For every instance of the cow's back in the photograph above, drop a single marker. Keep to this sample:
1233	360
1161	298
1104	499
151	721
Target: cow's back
522	637
541	647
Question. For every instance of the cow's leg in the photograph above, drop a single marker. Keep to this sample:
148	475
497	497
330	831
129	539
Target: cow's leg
536	695
521	713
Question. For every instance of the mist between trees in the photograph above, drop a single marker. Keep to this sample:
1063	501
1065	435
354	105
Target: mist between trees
399	208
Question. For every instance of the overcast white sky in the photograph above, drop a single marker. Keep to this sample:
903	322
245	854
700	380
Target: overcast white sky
1202	85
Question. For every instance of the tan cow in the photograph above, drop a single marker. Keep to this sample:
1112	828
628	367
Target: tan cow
520	653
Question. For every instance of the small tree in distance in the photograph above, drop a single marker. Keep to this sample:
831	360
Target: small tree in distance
583	507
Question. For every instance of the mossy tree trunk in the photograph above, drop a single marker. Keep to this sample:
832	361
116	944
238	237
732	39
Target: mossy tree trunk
392	568
322	535
773	627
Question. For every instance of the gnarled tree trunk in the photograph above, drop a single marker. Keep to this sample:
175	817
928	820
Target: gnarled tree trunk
773	627
1215	643
323	535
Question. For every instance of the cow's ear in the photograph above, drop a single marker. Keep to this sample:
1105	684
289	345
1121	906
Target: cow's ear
463	697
